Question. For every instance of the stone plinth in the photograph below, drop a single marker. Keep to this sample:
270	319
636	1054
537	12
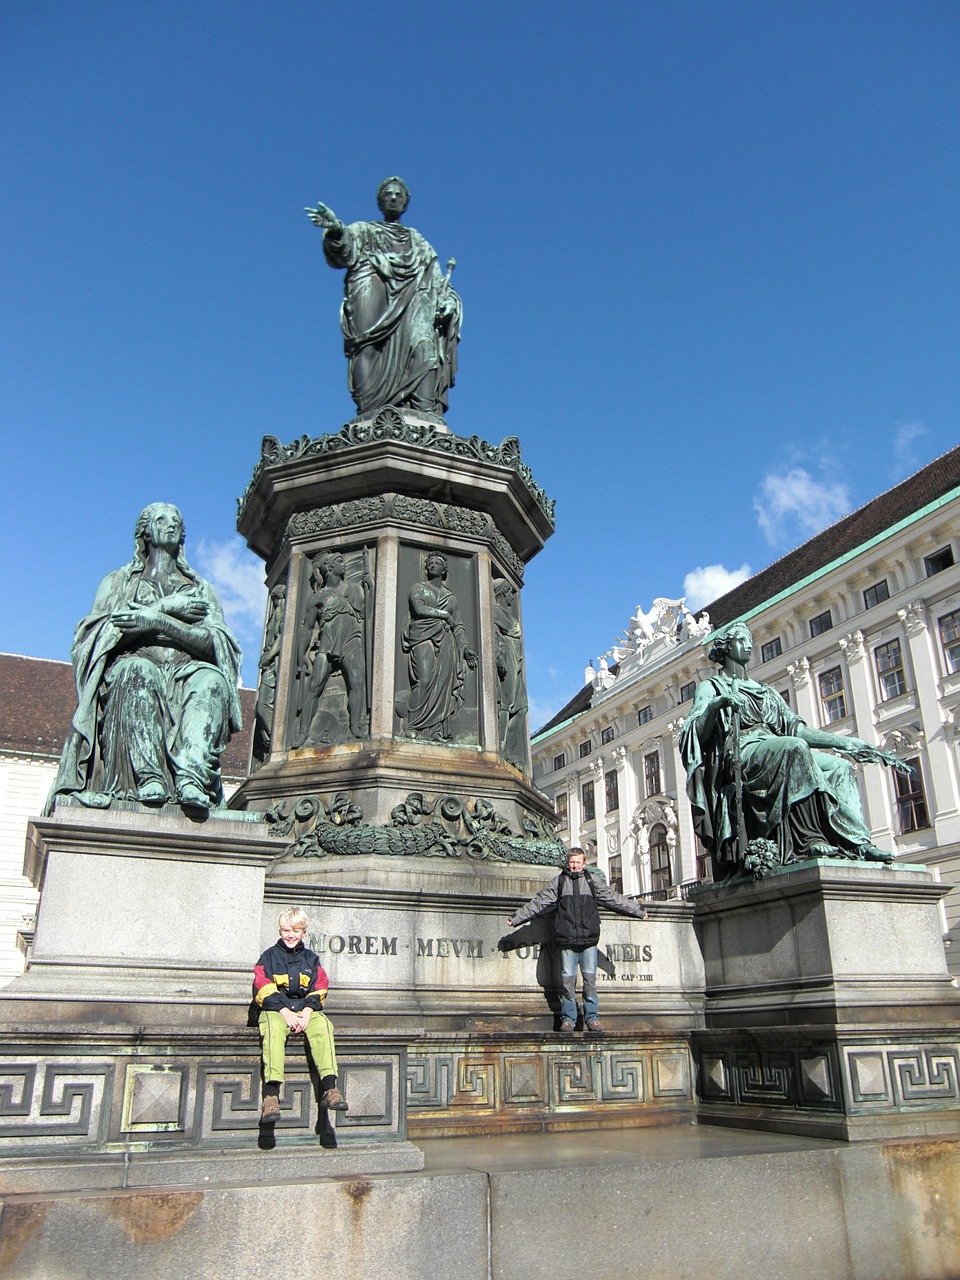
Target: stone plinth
141	906
414	948
829	1009
81	1100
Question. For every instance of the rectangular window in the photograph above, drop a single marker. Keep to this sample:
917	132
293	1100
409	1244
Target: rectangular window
607	735
660	874
585	748
911	802
644	715
687	691
821	623
890	670
612	788
939	561
651	773
831	694
876	594
559	761
561	806
785	695
950	639
772	649
615	872
587	802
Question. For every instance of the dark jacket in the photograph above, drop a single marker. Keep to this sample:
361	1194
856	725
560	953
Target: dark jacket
289	978
576	899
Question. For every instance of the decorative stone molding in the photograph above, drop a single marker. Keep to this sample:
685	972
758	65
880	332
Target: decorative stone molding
799	672
906	738
445	826
647	815
613	839
852	647
595	769
420	512
620	756
391	424
675	728
914	616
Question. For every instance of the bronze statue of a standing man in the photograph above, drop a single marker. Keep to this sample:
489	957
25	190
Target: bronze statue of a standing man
400	317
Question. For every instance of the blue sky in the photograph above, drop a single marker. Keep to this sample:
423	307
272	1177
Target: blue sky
708	255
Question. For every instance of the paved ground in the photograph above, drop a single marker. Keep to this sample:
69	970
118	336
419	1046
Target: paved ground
605	1147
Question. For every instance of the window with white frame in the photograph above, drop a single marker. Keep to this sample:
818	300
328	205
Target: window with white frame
612	790
644	715
615	872
950	639
889	660
588	804
832	696
585	748
559	761
607	735
687	691
560	804
939	561
821	623
651	773
911	801
771	649
876	594
661	877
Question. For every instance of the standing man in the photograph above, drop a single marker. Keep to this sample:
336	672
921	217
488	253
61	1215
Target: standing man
574	895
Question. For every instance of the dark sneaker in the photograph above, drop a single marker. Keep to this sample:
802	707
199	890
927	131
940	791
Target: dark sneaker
270	1111
567	1028
334	1100
594	1028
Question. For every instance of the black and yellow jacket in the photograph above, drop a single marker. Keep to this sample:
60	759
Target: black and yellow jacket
289	978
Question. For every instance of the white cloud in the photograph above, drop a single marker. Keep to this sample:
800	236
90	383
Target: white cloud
905	457
237	575
793	507
710	582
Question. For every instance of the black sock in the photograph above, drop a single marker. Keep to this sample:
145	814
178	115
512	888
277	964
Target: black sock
271	1088
327	1082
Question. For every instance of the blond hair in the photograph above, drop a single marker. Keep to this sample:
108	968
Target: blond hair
293	918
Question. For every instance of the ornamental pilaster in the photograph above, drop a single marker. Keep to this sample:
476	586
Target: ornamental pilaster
853	648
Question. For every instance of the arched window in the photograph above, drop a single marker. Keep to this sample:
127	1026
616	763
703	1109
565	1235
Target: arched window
660	875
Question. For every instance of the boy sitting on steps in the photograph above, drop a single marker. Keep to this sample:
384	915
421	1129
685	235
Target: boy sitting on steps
290	987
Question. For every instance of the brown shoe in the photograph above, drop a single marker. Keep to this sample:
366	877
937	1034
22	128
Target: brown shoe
270	1111
334	1100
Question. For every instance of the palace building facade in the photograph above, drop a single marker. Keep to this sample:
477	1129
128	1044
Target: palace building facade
858	629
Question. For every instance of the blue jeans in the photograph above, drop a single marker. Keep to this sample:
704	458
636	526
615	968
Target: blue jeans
586	958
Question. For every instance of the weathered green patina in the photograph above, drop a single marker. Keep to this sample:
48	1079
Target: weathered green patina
444	827
156	671
400	317
764	786
390	424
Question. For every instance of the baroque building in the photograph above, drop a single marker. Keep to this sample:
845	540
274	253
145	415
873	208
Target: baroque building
858	629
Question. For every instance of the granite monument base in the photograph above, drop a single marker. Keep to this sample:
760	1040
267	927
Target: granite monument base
829	1009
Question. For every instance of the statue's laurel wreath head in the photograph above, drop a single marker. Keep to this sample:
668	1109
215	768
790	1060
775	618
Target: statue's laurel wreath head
720	645
385	183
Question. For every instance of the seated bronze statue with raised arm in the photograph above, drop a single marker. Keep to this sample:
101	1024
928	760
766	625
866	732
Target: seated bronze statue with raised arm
765	787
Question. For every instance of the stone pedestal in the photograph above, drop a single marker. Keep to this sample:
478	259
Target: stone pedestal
829	1009
130	1031
385	495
